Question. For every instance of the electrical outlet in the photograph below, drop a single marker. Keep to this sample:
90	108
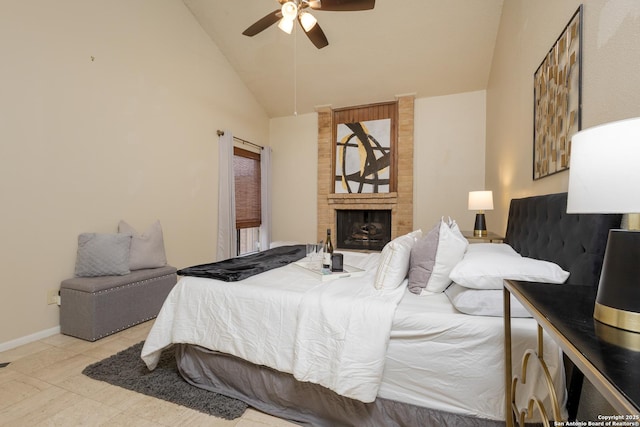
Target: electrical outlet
53	297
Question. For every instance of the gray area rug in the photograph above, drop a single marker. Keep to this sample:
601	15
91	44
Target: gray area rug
127	370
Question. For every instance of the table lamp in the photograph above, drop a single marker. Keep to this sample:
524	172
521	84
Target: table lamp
604	175
480	201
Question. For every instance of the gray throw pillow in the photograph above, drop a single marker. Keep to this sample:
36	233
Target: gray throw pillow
422	260
147	249
102	255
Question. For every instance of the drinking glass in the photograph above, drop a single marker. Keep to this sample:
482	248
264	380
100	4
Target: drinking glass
319	250
311	250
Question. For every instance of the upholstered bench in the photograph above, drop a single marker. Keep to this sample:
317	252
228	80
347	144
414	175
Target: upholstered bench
94	307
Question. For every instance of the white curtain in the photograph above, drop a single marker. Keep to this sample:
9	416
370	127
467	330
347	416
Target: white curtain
226	199
265	179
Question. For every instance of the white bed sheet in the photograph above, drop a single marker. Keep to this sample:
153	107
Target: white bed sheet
330	333
443	359
437	357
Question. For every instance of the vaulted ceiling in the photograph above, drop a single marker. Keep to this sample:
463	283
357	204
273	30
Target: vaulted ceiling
426	47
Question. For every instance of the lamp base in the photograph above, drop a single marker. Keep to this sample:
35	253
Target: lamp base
622	319
619	337
480	227
618	298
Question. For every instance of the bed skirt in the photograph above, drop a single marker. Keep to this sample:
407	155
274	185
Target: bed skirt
280	395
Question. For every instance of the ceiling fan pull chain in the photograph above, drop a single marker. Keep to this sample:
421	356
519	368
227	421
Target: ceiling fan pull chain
295	72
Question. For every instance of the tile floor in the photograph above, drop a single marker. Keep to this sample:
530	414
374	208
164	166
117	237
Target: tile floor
43	386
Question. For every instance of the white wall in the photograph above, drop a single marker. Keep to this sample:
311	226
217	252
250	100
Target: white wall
449	145
108	111
449	149
294	141
610	85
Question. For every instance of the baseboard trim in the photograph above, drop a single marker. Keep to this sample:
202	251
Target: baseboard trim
28	339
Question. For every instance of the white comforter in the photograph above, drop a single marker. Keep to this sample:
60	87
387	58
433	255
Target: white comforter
333	333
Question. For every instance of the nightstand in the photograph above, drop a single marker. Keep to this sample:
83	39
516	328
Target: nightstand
565	313
491	237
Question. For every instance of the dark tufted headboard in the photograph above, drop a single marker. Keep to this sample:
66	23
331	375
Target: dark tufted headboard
540	227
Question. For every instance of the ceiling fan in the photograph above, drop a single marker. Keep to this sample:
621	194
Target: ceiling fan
291	10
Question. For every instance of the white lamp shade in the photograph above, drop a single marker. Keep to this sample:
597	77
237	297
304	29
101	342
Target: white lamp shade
286	25
307	20
289	10
480	200
604	170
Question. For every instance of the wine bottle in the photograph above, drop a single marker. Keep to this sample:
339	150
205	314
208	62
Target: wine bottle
328	251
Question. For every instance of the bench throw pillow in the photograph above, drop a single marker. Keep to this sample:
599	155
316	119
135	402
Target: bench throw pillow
147	249
102	255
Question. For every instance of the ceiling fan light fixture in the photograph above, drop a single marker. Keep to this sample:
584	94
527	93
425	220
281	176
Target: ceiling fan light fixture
289	10
286	25
307	20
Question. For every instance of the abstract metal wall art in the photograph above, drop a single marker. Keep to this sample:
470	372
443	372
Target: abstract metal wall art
557	110
363	157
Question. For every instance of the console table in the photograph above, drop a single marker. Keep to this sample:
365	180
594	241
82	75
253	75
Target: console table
608	357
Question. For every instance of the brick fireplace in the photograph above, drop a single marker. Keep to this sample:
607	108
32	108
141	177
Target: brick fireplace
399	201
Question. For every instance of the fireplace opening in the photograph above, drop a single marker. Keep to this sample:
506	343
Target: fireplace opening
363	229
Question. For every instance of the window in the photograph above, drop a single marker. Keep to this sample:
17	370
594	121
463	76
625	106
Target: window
248	240
246	168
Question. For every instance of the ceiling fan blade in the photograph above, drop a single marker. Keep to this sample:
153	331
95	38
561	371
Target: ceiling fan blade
316	35
344	5
263	23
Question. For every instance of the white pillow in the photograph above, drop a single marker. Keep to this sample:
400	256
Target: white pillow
482	302
487	269
501	248
394	261
450	250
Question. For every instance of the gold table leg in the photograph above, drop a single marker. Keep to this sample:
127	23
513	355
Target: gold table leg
513	413
507	357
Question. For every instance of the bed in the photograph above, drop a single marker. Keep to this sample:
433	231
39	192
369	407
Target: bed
420	362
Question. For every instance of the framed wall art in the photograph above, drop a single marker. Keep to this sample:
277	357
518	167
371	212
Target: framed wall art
363	157
557	109
364	152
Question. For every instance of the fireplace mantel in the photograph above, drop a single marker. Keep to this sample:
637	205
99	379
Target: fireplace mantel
359	199
400	202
